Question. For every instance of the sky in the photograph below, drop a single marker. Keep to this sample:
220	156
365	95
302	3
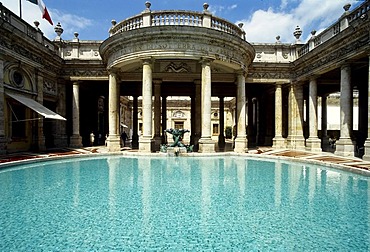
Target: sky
263	19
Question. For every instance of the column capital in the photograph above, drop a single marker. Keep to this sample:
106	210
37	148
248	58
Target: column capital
157	81
313	77
206	61
148	61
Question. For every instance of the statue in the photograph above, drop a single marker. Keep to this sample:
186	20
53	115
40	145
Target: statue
177	136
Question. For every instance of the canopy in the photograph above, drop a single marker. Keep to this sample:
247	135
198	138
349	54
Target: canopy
38	107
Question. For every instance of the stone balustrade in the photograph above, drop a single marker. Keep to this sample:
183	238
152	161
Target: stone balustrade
176	18
35	33
361	12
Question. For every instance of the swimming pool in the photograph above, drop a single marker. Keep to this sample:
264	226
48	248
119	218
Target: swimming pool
182	203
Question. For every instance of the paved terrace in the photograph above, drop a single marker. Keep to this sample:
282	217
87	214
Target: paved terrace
326	159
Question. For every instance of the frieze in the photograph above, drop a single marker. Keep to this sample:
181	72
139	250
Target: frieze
269	75
177	68
85	73
334	56
50	87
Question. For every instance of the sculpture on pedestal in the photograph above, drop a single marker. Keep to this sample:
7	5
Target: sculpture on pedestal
177	136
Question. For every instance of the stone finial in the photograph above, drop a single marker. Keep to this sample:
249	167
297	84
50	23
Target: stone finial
346	7
278	39
205	6
58	30
76	36
147	5
113	22
241	25
297	34
36	23
313	33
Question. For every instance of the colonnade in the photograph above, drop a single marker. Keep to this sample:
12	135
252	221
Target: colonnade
201	108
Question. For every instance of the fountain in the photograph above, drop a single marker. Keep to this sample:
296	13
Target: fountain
177	146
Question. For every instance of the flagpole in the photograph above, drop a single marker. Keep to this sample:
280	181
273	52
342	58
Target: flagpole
20	9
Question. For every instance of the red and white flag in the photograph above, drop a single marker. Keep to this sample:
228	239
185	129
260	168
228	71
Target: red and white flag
44	11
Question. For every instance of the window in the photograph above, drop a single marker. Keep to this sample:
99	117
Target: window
215	129
179	125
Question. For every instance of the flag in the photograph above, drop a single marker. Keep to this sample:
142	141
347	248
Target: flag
44	11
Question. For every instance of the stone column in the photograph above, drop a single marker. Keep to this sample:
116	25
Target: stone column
367	142
313	142
3	143
241	142
221	136
324	122
295	138
278	140
40	123
145	142
113	141
198	114
206	144
164	119
135	136
345	146
157	114
76	140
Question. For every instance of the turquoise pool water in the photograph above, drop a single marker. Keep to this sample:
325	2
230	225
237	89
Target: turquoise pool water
187	204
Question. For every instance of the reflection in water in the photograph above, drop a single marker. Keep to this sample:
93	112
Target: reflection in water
278	181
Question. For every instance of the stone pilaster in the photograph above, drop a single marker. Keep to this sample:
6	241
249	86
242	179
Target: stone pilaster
145	142
135	136
2	107
206	144
157	114
221	136
241	142
61	132
40	123
164	119
295	138
345	146
324	122
367	142
313	142
278	140
113	140
76	140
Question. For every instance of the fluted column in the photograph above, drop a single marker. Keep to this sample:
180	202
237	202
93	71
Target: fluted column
221	136
278	140
76	140
206	144
113	141
157	114
2	118
241	142
295	138
145	142
313	142
345	146
367	142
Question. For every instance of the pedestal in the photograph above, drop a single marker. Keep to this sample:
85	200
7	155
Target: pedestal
345	147
240	145
206	145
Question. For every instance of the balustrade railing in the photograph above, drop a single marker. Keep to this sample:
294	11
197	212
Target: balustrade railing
33	32
362	11
178	18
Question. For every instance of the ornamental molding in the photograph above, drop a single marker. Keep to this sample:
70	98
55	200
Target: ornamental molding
177	68
85	72
50	87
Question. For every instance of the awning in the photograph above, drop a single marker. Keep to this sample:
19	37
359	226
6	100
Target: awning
38	107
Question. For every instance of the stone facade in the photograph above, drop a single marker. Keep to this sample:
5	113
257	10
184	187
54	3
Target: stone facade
169	69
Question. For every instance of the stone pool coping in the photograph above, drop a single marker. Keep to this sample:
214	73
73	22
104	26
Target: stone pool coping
351	164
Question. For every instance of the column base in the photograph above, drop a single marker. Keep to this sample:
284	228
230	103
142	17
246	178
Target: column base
145	144
157	143
296	143
221	142
113	143
75	141
313	144
206	145
345	147
3	145
279	143
367	150
241	145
